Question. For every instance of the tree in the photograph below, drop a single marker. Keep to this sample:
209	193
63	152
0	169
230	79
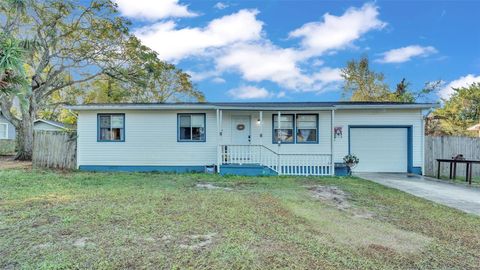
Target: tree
152	80
459	112
363	84
12	73
53	108
402	93
106	89
66	44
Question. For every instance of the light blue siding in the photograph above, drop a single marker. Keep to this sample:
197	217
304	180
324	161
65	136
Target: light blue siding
11	128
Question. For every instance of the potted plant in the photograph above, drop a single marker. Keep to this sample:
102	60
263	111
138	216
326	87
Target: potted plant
351	161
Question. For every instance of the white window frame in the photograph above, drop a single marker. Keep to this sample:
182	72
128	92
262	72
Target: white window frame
202	139
6	131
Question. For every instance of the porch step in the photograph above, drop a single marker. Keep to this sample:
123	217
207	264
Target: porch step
246	170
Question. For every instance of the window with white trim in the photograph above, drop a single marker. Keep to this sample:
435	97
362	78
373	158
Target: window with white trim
191	127
284	132
111	128
307	128
3	131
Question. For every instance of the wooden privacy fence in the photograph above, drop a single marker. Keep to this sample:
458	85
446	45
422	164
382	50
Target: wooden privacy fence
55	149
448	147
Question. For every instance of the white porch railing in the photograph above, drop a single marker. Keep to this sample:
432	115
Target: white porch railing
283	164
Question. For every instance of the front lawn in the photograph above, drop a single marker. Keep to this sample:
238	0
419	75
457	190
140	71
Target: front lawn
51	220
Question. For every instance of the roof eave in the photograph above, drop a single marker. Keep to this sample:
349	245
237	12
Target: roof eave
49	123
260	108
389	106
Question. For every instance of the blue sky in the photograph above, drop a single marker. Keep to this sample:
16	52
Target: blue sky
292	50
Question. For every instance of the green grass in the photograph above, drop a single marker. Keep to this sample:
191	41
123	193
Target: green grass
460	179
51	220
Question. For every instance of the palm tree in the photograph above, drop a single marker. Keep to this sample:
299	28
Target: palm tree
12	73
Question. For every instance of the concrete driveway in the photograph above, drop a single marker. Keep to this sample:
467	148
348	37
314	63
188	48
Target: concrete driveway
464	198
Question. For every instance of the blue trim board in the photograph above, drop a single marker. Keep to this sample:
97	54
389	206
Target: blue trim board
98	126
416	170
246	170
204	126
410	168
124	168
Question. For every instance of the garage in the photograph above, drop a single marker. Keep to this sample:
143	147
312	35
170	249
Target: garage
380	149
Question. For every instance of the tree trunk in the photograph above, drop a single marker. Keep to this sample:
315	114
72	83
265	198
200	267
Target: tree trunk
25	135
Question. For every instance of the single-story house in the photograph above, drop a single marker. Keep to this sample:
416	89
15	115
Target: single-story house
7	129
286	138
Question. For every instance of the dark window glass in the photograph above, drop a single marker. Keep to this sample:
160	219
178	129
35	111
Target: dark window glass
306	128
284	132
191	127
112	127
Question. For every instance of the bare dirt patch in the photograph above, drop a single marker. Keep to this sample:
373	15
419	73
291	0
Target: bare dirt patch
331	194
44	246
338	198
211	186
9	162
195	242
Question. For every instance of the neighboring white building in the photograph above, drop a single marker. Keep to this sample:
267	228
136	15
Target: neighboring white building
295	138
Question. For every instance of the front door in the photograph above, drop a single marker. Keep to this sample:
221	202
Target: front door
241	130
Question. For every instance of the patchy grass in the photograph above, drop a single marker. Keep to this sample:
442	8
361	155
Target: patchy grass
460	179
51	220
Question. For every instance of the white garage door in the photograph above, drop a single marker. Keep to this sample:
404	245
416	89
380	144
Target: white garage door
380	149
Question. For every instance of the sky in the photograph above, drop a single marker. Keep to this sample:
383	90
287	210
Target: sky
289	50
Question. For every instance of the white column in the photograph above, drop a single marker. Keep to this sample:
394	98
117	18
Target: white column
278	121
278	143
219	147
423	145
260	117
221	126
332	141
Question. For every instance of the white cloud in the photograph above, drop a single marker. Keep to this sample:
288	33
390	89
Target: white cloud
237	43
337	32
153	9
405	54
249	92
318	62
221	5
259	62
200	76
218	80
447	91
328	75
173	44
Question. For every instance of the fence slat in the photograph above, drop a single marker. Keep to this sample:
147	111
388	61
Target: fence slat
54	149
448	147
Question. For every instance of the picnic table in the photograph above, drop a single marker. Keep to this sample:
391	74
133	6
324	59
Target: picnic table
453	168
